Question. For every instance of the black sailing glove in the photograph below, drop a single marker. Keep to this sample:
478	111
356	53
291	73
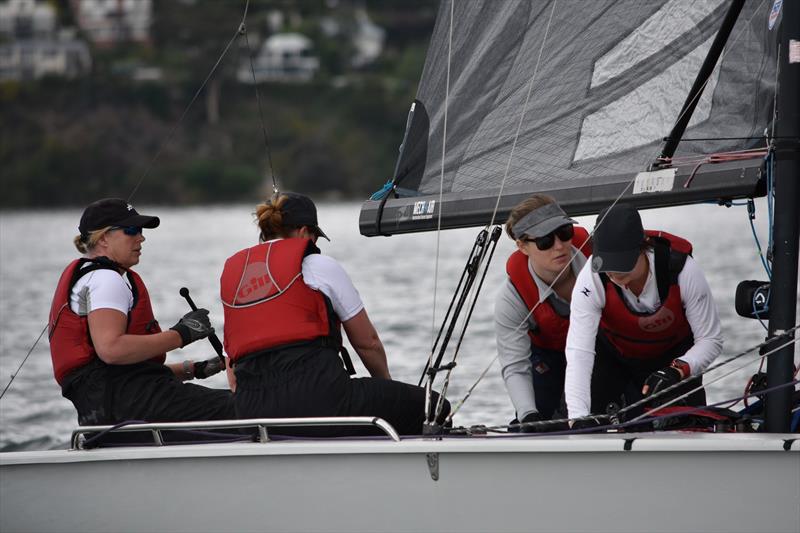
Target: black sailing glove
209	367
193	326
660	380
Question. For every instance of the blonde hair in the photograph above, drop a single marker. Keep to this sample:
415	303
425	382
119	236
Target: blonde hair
85	245
270	218
524	207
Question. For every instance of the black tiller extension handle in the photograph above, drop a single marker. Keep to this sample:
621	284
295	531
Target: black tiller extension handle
212	338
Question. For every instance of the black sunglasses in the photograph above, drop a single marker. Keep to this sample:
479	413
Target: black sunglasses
129	230
564	234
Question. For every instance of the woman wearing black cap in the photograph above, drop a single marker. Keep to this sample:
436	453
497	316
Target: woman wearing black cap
642	319
284	304
532	307
107	349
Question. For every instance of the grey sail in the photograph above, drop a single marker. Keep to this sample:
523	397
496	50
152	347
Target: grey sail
607	81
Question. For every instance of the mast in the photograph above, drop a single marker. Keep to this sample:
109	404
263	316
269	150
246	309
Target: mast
787	217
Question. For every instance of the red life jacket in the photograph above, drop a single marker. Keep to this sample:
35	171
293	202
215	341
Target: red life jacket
70	344
648	335
267	305
551	328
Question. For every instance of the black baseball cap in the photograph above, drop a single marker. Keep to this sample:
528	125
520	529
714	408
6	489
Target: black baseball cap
113	212
617	240
299	210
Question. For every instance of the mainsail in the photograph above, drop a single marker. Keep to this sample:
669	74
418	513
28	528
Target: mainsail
574	99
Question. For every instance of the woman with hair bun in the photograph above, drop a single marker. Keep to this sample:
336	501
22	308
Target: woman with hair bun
284	306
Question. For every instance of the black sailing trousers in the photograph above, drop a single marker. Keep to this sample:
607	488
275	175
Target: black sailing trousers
310	381
109	394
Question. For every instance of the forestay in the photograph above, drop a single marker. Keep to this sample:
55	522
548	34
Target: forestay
611	81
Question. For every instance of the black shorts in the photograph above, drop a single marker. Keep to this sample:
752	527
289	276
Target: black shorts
310	381
109	394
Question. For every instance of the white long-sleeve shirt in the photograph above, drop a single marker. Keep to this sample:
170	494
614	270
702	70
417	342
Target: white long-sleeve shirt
588	301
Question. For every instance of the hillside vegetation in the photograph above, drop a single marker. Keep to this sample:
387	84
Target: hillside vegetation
64	142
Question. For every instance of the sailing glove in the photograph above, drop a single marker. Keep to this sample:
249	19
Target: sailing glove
209	367
660	380
193	326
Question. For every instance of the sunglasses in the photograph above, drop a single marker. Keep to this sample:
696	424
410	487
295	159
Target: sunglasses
129	230
564	234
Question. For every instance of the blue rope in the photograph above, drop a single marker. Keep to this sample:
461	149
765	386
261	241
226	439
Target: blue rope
378	195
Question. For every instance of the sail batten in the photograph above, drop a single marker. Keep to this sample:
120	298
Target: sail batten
612	80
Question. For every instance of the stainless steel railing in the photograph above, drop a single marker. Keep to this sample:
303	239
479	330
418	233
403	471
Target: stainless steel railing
260	423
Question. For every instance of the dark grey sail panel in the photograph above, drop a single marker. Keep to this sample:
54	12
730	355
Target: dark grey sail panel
609	85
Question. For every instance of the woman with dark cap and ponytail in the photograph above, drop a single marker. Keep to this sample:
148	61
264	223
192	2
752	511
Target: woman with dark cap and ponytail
107	349
284	306
642	320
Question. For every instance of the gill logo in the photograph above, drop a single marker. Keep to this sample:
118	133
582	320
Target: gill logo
658	321
256	284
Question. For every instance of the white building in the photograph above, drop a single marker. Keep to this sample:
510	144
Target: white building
285	57
108	22
31	59
367	40
26	19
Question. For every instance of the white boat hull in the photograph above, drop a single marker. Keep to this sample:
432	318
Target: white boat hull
672	482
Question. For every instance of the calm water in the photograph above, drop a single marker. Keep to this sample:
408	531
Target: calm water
395	277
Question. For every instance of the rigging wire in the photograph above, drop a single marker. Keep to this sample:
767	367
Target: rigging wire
243	30
14	375
524	111
441	188
475	294
174	128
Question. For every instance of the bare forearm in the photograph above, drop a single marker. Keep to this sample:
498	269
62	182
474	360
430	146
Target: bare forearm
362	335
374	359
130	349
231	376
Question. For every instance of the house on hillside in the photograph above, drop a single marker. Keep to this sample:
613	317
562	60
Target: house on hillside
109	22
31	59
367	39
284	57
33	46
26	19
